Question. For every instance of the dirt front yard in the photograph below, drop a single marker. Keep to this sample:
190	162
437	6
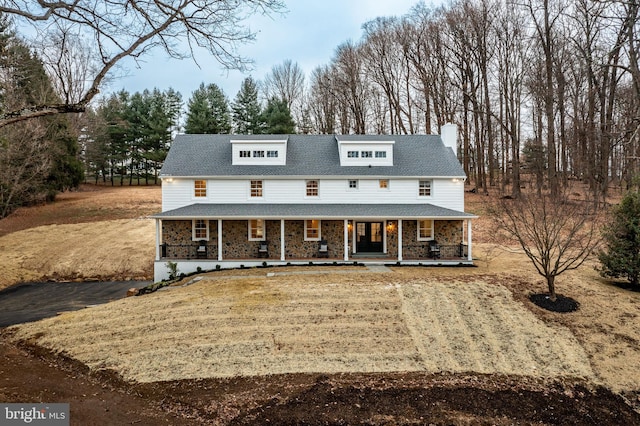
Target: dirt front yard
338	345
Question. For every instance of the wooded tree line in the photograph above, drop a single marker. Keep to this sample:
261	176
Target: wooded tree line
556	80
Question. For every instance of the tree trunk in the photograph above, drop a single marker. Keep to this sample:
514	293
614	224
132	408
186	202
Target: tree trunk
552	287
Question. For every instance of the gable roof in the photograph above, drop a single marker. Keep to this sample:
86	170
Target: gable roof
310	155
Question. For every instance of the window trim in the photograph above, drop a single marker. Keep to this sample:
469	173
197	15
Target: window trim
194	237
306	228
259	190
420	188
418	228
197	192
263	228
311	188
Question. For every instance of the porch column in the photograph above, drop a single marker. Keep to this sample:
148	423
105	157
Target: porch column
158	226
282	239
346	239
384	237
219	240
353	237
469	256
399	240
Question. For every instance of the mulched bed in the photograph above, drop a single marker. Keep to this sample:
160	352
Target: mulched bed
562	304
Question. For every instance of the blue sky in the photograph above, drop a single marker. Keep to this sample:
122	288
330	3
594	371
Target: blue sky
308	34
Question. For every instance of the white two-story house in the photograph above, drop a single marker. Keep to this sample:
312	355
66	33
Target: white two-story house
234	200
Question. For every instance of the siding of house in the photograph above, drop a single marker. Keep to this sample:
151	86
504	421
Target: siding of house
445	192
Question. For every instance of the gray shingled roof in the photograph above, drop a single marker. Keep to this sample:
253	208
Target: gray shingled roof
316	211
310	155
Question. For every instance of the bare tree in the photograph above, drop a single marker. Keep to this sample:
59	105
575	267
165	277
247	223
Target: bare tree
118	29
26	159
556	234
350	81
286	82
322	101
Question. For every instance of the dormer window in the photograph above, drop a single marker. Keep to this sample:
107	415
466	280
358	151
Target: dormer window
365	151
257	150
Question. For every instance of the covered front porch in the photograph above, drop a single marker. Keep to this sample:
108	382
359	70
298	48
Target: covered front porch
206	237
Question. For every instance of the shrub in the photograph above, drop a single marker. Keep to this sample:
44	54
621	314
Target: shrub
173	269
621	235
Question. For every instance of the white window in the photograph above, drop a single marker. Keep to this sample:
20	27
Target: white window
258	154
312	230
424	188
425	230
257	230
312	188
200	230
367	154
381	154
353	184
352	154
200	188
383	183
272	154
245	154
256	188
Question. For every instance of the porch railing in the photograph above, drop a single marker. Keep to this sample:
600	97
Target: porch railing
421	251
188	251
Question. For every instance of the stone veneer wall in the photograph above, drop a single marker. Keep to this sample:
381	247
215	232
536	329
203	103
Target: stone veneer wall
392	238
446	233
297	248
333	232
236	244
177	235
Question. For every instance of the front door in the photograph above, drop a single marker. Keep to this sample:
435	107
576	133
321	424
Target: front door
369	237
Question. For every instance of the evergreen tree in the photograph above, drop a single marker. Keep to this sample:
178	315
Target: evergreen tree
208	111
37	159
246	108
621	257
277	119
